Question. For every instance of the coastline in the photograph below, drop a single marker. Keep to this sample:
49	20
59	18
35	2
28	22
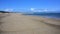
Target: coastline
29	24
47	19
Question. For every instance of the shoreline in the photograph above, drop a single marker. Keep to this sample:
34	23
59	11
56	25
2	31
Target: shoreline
49	17
18	23
41	18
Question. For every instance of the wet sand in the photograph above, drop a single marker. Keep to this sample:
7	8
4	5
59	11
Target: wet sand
15	23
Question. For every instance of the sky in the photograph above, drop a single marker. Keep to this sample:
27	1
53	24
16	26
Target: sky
27	5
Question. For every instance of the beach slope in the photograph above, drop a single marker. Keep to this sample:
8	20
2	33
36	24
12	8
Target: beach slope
15	23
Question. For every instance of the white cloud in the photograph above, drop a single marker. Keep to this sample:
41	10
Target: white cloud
32	9
39	10
8	10
45	10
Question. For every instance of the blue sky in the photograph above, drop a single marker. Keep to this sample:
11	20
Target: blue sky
25	5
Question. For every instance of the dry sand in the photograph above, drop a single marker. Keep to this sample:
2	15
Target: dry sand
15	23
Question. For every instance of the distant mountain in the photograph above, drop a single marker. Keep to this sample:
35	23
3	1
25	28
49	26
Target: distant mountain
4	12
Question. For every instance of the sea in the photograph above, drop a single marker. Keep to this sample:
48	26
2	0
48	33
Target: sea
47	15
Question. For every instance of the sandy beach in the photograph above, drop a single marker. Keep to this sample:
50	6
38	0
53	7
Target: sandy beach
16	23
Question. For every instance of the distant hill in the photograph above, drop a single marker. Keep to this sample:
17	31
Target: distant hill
4	12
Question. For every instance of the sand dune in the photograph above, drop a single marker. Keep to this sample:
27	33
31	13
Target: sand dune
15	23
